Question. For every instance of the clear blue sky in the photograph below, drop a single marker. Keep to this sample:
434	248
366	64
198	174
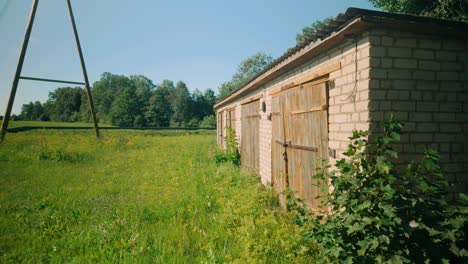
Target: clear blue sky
200	42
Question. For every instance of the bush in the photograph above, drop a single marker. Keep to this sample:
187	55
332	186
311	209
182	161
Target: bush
194	122
377	214
231	152
208	121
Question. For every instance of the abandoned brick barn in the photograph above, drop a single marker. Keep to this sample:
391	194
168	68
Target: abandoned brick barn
352	74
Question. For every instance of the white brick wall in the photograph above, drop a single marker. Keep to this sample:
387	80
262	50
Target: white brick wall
422	79
428	90
348	100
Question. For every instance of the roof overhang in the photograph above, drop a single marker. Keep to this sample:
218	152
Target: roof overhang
353	22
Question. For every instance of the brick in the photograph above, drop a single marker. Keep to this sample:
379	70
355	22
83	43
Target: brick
378	74
377	51
444	117
348	88
374	40
427	96
446	55
403	106
334	109
403	95
462	56
463	77
402	116
447	76
408	148
427	127
423	75
451	66
416	95
420	117
374	116
386	62
421	137
342	118
406	42
363	53
399	74
450	128
444	147
386	84
423	54
451	86
364	74
355	117
377	94
362	106
364	116
347	108
451	107
462	117
427	85
406	63
347	127
350	68
427	107
399	52
391	95
429	44
384	105
452	45
443	137
361	126
404	84
364	95
387	41
362	64
429	65
373	84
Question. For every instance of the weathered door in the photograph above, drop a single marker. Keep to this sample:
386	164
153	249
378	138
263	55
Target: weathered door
250	117
220	129
300	139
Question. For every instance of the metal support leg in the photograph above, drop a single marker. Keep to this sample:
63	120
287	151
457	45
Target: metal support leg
83	66
19	67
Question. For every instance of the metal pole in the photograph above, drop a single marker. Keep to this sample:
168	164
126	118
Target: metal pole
19	68
83	66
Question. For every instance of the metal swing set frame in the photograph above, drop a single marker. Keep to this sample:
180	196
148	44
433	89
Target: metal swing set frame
19	67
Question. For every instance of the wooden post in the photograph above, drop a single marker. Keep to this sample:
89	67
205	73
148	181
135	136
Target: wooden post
19	67
83	67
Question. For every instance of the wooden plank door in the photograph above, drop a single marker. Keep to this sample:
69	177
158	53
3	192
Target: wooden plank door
250	158
303	120
278	152
220	129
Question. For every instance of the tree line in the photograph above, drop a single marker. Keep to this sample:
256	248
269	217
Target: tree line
136	101
128	101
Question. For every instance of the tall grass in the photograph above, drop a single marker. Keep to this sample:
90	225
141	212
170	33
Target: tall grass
12	124
135	197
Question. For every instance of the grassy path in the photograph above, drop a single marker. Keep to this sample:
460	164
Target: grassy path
139	198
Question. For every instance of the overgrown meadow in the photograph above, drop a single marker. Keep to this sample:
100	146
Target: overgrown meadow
137	197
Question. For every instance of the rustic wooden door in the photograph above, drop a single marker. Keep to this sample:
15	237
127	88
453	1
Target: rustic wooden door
278	152
220	130
300	132
250	158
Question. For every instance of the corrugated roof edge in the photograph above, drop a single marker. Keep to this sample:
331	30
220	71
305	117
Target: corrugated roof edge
341	21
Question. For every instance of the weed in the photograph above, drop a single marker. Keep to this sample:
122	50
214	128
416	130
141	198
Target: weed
139	197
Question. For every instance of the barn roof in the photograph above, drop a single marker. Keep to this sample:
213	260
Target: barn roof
353	21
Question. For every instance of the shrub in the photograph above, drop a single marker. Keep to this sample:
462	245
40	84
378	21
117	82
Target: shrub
377	214
208	121
231	152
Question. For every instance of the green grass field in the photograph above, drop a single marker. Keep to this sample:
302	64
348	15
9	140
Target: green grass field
135	198
12	124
